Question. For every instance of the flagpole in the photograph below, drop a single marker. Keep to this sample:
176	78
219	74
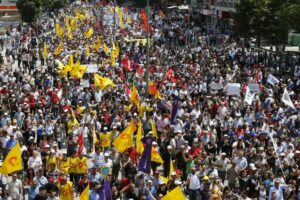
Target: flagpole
147	51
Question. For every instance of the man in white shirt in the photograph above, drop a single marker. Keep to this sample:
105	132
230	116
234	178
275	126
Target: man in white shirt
241	161
278	189
15	188
98	158
193	182
221	164
40	179
35	162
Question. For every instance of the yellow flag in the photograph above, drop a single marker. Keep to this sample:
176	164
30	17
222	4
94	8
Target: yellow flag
45	51
105	49
79	15
153	128
112	60
89	33
88	52
164	179
125	139
102	82
127	108
78	70
13	161
73	24
119	10
97	44
59	31
176	193
128	20
58	49
139	143
63	70
85	193
171	169
114	50
155	157
134	96
69	32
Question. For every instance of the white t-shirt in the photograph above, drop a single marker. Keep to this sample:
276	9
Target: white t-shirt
194	182
35	163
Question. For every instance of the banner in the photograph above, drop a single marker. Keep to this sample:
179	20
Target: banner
286	99
233	89
216	86
272	80
145	162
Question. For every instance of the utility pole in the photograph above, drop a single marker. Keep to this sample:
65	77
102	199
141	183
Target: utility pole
147	50
114	31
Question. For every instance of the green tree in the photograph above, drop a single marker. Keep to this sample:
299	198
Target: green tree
271	20
31	9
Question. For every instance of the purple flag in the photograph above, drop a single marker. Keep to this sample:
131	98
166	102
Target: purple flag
145	162
105	192
174	109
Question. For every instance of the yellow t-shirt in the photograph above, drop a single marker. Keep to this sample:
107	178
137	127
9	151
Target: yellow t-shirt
64	166
65	191
105	139
72	163
51	160
81	166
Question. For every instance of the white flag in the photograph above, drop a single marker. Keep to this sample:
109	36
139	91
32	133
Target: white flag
286	99
272	80
249	97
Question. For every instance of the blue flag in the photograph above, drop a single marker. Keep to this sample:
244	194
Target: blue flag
174	109
145	162
105	192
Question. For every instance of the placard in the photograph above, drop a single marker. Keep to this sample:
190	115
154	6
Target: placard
105	171
254	88
233	89
92	68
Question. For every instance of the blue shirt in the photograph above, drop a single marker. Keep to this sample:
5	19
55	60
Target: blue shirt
152	190
32	192
93	195
11	143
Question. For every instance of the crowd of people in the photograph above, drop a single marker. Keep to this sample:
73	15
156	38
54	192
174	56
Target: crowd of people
211	139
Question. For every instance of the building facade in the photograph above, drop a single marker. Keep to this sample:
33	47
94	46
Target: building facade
215	13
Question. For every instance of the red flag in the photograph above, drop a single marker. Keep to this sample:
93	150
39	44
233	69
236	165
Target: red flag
143	15
127	90
80	143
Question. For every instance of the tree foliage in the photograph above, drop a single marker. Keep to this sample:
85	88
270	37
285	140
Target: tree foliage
31	9
268	19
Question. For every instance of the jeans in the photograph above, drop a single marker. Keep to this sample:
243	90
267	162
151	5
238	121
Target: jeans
193	194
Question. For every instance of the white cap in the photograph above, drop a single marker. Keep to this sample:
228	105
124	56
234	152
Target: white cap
173	173
154	143
105	128
106	154
169	147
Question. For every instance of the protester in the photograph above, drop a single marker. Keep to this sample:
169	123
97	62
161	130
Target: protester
215	123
